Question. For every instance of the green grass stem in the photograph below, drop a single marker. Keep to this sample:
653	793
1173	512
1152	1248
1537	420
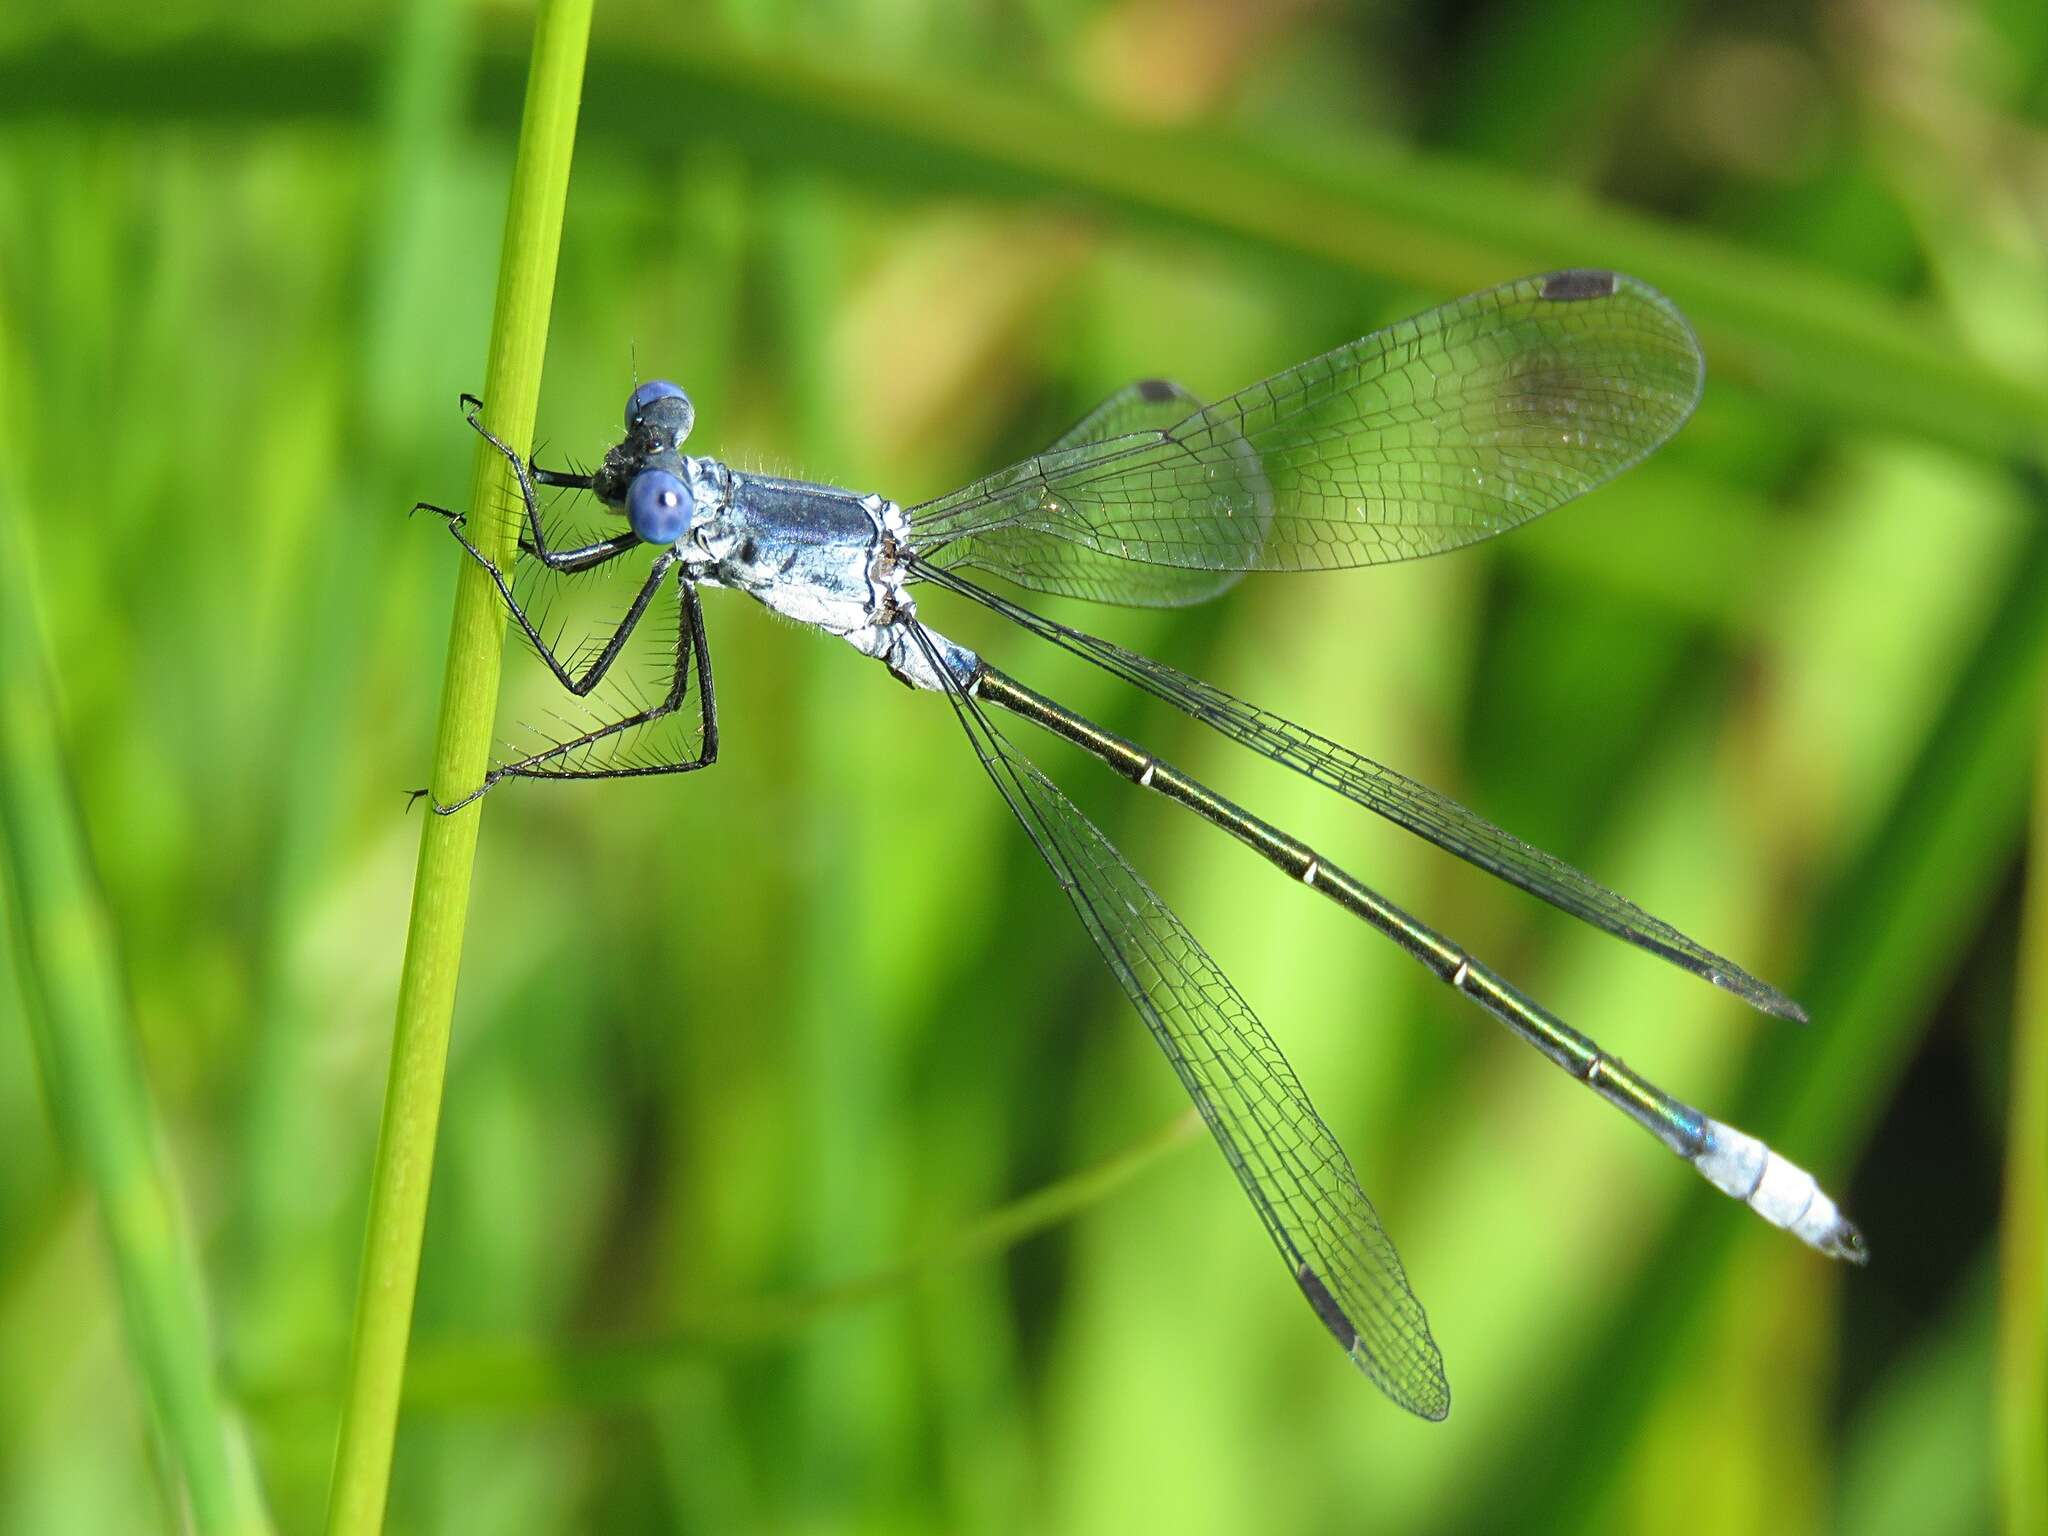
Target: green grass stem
77	1003
433	953
2021	1409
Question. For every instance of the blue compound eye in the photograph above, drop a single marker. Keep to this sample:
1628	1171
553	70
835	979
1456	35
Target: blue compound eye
658	506
648	393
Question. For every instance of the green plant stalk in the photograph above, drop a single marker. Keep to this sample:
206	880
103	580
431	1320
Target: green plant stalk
92	1073
2021	1408
433	951
514	1373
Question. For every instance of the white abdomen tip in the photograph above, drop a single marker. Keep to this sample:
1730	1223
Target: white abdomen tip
1778	1190
1826	1228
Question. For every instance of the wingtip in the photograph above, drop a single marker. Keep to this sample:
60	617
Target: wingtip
1760	995
1782	1007
1429	1400
1424	1392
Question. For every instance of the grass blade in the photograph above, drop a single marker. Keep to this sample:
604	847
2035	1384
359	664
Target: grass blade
85	1042
1443	225
1820	340
426	995
2022	1351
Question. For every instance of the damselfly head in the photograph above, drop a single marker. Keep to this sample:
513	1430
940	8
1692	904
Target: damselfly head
659	417
659	411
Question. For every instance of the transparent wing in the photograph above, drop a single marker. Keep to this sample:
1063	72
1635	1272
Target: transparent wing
1402	800
1432	434
1297	1176
1150	405
1145	411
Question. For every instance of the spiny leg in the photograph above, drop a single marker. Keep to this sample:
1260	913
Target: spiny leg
585	557
568	562
534	543
589	556
690	642
595	673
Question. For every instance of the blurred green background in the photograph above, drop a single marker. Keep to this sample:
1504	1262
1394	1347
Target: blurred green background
1781	685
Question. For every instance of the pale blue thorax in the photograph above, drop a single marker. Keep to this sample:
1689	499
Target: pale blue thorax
826	557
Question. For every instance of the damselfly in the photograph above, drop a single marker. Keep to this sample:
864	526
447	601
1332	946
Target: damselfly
1432	434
